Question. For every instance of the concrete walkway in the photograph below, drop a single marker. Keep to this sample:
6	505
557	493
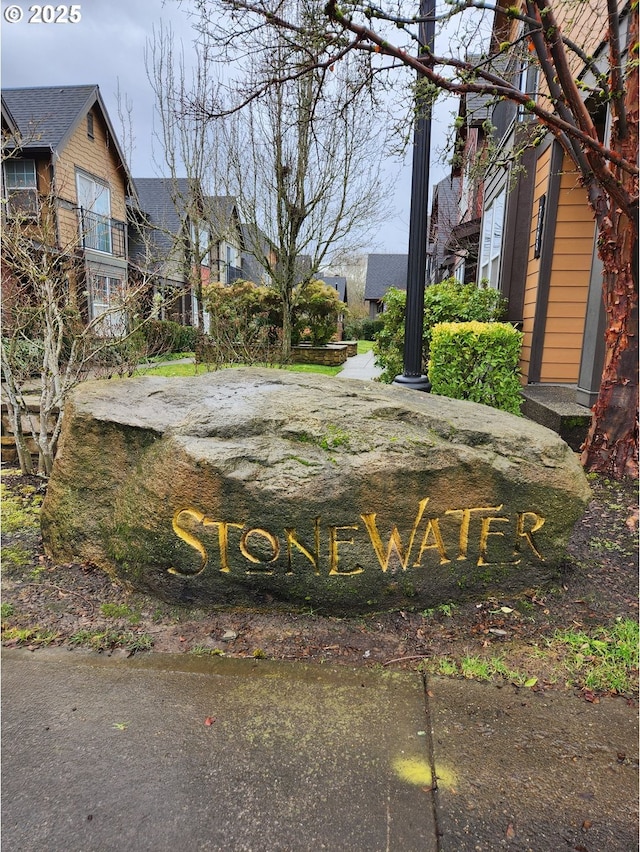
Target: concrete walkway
360	367
177	754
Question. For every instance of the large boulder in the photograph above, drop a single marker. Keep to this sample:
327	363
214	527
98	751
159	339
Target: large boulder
269	487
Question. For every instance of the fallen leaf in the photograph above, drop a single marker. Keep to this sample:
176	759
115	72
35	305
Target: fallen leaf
209	721
510	833
497	632
531	682
505	609
586	825
632	520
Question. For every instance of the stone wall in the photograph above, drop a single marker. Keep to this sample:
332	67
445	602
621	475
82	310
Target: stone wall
331	355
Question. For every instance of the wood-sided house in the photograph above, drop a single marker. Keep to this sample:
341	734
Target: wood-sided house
63	161
187	240
538	238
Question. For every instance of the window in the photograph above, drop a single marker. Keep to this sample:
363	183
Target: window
94	201
491	240
90	132
22	188
200	241
106	295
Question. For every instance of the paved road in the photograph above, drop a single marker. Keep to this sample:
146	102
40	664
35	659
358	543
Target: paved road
111	754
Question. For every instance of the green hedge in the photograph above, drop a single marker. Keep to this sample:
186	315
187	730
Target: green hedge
448	301
477	361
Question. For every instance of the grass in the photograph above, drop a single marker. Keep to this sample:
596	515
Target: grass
171	370
364	346
204	651
113	610
606	659
103	640
6	610
28	636
478	668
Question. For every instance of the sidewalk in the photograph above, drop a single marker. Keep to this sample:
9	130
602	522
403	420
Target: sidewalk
360	367
182	753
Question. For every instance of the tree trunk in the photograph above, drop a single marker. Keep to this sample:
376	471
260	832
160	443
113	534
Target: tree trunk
612	442
287	325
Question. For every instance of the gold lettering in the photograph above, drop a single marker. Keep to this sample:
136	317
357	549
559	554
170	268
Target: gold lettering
292	540
395	542
189	539
433	526
464	525
273	543
527	534
485	532
223	540
334	541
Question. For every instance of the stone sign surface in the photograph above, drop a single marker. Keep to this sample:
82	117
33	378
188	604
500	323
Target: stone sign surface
267	487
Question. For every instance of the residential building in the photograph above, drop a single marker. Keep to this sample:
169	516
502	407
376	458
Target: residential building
383	271
445	215
538	243
67	170
184	239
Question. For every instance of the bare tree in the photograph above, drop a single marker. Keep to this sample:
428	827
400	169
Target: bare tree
302	159
189	151
49	343
571	75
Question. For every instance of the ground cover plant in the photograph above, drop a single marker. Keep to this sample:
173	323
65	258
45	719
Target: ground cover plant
581	634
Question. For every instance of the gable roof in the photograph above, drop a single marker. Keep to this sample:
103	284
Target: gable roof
338	282
156	202
384	271
47	116
9	123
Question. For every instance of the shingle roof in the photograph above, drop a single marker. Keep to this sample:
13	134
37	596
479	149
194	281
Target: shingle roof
156	200
337	282
384	271
47	116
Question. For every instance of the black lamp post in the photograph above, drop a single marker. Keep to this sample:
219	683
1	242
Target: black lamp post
412	376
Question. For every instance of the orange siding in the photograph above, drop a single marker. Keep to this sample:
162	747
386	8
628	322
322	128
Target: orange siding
533	266
569	283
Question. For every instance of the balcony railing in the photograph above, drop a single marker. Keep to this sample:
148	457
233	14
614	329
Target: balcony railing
100	233
225	273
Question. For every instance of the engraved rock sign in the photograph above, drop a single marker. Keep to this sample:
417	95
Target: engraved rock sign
265	487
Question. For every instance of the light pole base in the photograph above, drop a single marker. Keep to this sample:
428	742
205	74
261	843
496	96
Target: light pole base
418	383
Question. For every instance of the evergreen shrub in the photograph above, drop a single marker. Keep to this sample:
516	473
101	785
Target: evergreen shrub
477	361
447	301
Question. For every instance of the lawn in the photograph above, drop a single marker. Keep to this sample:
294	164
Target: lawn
198	370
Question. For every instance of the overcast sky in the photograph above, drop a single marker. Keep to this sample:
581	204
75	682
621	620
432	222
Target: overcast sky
107	47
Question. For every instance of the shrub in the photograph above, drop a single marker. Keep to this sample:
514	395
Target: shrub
168	336
370	329
448	301
477	361
316	312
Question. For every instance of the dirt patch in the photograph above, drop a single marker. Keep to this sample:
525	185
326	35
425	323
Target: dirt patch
517	637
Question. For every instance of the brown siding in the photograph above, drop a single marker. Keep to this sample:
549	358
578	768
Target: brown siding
98	157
